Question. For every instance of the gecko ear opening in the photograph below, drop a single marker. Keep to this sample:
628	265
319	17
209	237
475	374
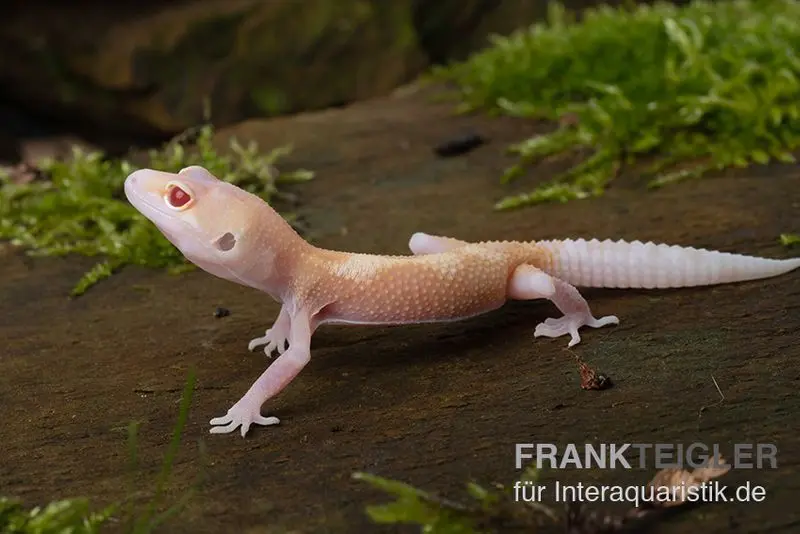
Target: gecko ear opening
225	242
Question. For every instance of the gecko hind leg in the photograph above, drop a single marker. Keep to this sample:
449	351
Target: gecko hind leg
422	244
528	282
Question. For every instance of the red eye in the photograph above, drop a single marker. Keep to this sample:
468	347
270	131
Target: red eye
177	197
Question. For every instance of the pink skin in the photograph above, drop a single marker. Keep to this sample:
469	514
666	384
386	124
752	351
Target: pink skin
237	236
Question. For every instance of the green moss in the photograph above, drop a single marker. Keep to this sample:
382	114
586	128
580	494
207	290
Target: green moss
489	509
81	208
790	240
58	517
417	507
688	89
511	508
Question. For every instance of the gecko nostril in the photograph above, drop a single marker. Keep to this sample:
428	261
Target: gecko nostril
129	186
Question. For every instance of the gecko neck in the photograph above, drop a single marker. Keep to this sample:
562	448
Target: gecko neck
278	252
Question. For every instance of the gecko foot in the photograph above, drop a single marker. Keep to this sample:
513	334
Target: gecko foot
242	414
273	339
569	324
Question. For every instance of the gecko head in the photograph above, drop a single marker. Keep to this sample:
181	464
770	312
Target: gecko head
207	219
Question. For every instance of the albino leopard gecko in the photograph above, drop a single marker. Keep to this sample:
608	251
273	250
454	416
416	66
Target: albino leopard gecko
235	235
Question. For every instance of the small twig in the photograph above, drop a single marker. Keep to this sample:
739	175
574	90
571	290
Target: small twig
719	402
721	394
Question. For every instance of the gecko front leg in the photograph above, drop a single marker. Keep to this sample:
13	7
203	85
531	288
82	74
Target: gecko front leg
528	282
271	382
275	337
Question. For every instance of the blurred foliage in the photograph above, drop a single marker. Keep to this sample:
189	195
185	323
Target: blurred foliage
489	509
690	89
58	517
790	240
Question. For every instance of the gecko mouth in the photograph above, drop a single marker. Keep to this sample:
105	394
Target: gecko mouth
143	198
147	204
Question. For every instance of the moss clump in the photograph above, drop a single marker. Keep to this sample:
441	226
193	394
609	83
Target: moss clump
58	517
517	507
80	206
693	88
790	240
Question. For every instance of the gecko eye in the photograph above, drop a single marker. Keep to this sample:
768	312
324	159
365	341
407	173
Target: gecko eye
225	242
178	196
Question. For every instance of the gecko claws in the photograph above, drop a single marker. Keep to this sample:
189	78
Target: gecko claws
271	340
569	324
240	416
256	342
272	346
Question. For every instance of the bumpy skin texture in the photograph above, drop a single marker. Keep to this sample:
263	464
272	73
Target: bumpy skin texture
237	236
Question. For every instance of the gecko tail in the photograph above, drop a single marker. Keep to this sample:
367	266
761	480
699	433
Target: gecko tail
621	264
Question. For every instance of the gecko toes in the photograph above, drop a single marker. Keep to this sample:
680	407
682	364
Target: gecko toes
222	429
224	420
603	321
242	415
266	421
570	324
272	340
279	346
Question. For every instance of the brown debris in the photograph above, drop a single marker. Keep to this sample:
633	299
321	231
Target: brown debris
713	468
36	150
24	173
591	379
581	521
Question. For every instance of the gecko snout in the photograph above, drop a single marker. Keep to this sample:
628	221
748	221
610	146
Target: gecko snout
130	184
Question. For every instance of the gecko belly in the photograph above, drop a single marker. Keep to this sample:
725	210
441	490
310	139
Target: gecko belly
341	316
416	301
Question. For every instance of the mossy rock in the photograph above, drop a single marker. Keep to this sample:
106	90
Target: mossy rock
149	69
154	70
